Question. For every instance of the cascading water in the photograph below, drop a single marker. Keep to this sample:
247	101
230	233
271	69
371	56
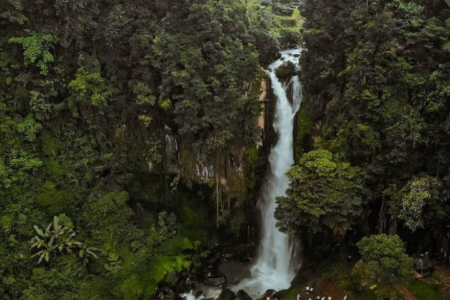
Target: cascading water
274	268
275	265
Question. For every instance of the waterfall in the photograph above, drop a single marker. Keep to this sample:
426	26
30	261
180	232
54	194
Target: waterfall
190	296
274	268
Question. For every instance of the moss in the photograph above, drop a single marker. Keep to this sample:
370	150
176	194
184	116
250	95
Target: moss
290	293
286	70
237	221
315	31
188	161
146	193
255	89
424	290
252	161
192	225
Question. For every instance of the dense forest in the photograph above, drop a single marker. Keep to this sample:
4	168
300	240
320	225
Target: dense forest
373	135
132	149
131	128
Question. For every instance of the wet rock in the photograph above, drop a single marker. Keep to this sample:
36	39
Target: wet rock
287	69
272	294
198	294
213	263
182	288
227	294
296	55
245	258
215	281
229	256
184	283
163	292
242	295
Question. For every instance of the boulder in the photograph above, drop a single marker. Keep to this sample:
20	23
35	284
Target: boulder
163	292
271	294
215	281
226	294
198	294
242	295
245	258
287	69
184	285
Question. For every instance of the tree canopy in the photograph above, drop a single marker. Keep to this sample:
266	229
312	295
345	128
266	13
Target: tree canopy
324	193
383	259
375	80
110	113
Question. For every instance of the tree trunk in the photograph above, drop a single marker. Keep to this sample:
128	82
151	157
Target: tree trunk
217	199
366	225
393	226
382	217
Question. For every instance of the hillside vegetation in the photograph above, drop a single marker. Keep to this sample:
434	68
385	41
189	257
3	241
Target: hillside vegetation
372	155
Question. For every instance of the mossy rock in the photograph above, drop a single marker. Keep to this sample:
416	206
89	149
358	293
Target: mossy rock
242	295
287	69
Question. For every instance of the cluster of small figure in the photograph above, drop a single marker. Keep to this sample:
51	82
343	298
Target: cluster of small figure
311	290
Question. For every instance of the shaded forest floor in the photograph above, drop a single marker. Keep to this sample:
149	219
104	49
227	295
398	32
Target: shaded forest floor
444	272
336	281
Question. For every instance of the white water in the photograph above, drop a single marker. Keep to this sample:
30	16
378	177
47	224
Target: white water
276	263
191	296
274	268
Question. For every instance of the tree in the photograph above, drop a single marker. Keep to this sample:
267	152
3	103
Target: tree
324	193
419	194
383	260
378	97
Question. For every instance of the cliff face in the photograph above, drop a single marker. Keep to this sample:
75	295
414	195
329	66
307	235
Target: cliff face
234	174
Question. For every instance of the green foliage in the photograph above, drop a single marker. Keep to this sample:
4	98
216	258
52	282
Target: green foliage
415	195
18	161
304	131
383	260
68	280
324	193
89	86
12	11
37	49
57	239
89	92
374	84
51	198
192	223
